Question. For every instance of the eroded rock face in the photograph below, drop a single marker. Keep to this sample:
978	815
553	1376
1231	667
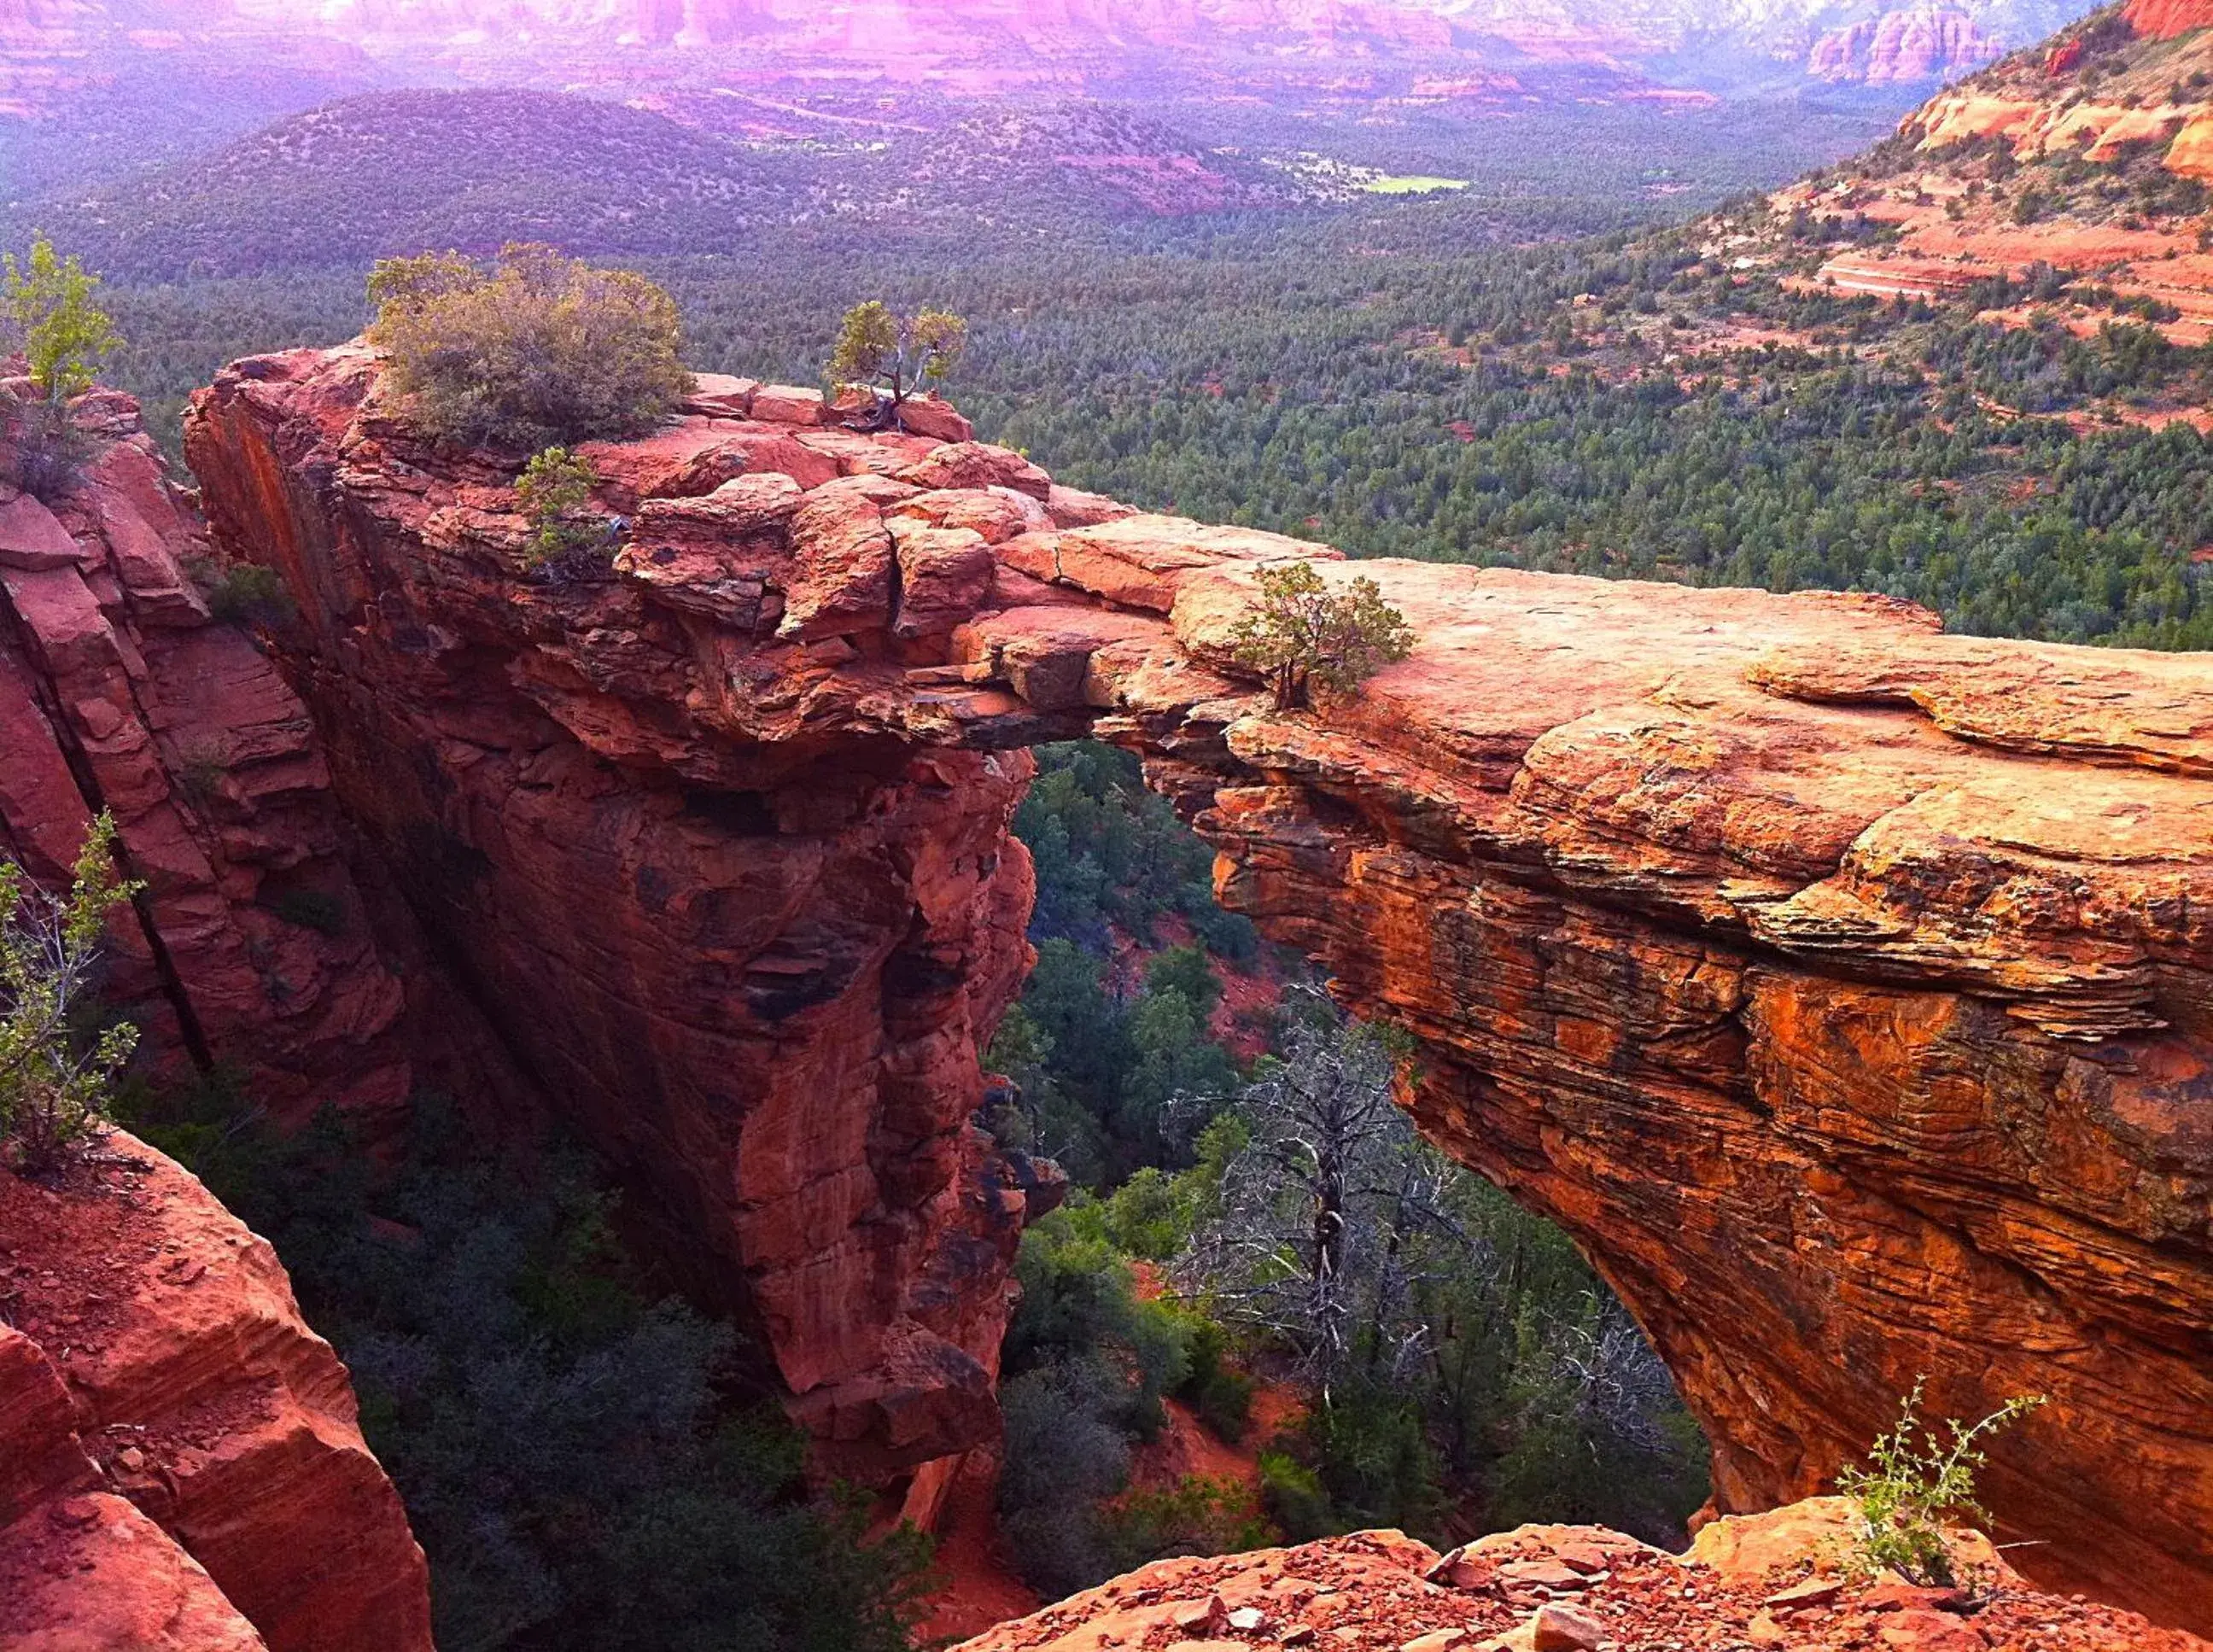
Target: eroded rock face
747	924
117	691
180	1466
2163	20
1918	43
1842	986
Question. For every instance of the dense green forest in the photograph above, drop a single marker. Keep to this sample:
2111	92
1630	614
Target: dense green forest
587	1462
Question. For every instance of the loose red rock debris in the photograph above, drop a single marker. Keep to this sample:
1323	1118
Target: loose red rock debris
1564	1589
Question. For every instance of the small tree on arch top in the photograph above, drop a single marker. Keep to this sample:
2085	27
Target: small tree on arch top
896	355
1305	637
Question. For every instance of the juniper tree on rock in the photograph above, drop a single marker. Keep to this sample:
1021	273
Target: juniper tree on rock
895	356
1307	637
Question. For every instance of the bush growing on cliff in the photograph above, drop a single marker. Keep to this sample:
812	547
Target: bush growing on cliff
245	592
1305	637
555	492
46	312
54	1082
46	303
535	350
1915	1484
896	355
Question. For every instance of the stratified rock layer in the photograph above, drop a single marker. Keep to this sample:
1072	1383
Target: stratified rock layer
1842	986
749	941
180	1466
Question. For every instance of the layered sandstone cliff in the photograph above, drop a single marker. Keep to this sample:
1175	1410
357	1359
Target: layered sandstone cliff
1844	988
178	1461
181	1468
748	928
1917	43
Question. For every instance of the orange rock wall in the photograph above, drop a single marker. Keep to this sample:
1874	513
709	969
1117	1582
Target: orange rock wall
2163	20
755	969
119	692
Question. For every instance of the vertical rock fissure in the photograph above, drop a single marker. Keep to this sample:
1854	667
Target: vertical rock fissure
190	1033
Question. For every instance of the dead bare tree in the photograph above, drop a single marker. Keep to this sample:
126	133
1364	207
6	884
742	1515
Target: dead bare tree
1316	1242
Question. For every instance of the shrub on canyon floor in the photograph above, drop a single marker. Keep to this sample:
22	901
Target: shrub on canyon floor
1915	1483
532	349
1307	637
55	1078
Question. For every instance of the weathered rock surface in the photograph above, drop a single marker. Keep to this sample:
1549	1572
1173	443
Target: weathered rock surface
747	919
1844	988
180	1463
2163	20
1769	1581
117	692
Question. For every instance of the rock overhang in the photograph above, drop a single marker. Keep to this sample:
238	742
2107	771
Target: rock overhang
1841	984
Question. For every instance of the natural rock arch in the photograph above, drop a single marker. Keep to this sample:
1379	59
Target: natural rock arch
1842	986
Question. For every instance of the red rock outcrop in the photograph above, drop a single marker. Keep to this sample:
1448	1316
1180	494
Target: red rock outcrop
1843	987
1767	1581
180	1463
748	926
119	692
2164	20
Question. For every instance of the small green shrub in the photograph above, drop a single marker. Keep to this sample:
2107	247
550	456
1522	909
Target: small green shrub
536	349
1197	1515
245	592
201	769
46	303
555	492
1303	636
1221	1395
1292	1493
1374	1458
55	1084
45	451
1915	1484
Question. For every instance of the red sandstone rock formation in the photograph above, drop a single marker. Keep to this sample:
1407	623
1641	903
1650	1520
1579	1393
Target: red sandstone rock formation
749	926
1768	1581
1840	985
2163	20
179	1466
1917	43
117	692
